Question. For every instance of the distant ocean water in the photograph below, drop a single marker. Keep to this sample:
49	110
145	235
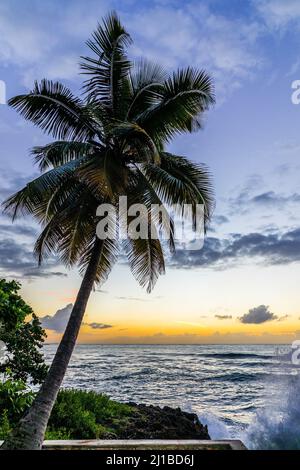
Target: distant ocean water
241	391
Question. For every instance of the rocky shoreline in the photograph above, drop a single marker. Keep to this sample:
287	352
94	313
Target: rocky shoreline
153	422
79	414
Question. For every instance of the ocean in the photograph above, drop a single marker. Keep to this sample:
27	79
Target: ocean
248	392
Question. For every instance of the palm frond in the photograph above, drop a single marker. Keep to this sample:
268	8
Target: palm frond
143	192
109	69
179	181
109	252
60	152
186	95
133	140
52	107
146	260
147	86
70	227
104	175
29	199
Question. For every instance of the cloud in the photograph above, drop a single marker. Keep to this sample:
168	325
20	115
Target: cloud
275	199
98	326
21	43
245	201
214	338
283	317
38	272
291	146
59	320
135	299
12	181
17	239
220	219
271	248
278	13
14	229
33	45
223	317
196	34
258	315
17	260
47	44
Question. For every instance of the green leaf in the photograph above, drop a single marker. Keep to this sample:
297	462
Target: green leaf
109	70
53	108
179	181
146	260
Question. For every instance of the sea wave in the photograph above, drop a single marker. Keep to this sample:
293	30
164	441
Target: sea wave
244	386
234	355
130	375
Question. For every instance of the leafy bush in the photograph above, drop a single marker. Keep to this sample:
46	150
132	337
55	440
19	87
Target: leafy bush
21	331
15	398
5	426
57	435
77	414
85	415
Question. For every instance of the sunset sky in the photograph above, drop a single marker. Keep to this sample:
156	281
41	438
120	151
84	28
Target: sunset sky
243	286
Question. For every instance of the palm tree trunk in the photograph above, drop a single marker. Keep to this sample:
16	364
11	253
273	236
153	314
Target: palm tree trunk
29	433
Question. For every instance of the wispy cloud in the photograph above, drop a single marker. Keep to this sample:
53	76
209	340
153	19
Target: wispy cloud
246	201
197	35
278	13
98	326
134	299
223	317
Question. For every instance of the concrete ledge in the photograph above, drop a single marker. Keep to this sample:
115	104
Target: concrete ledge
143	444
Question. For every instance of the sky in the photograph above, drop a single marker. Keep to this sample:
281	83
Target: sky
243	285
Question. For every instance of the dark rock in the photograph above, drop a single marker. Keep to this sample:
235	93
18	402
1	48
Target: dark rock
153	422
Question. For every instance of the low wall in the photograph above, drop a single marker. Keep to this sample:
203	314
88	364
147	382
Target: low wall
154	444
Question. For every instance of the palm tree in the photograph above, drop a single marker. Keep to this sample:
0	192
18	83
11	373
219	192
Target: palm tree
109	143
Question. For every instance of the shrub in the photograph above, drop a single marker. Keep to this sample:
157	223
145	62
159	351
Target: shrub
57	435
5	426
76	414
15	399
21	331
86	415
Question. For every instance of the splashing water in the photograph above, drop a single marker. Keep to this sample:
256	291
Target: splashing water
216	428
275	425
278	427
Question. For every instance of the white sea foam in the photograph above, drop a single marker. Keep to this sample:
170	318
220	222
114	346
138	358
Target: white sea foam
277	426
